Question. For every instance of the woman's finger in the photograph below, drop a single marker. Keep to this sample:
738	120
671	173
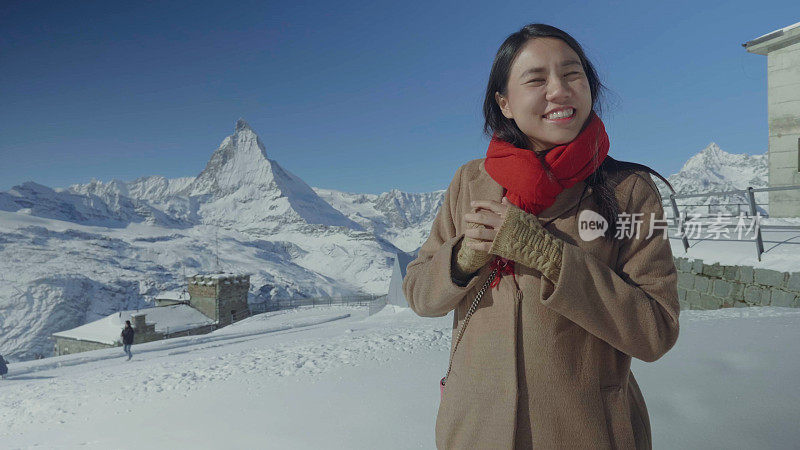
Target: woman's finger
481	234
491	205
480	245
486	218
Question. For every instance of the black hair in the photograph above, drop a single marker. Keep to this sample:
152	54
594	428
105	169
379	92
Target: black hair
127	322
495	123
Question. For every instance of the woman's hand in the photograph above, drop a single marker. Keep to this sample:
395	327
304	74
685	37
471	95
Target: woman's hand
488	213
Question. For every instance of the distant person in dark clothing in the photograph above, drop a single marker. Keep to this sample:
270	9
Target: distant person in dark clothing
3	367
127	339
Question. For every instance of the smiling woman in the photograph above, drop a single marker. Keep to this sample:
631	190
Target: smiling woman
545	362
547	94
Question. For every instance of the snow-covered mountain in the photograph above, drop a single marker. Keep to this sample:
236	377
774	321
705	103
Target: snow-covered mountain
72	255
240	186
714	169
155	197
403	218
100	205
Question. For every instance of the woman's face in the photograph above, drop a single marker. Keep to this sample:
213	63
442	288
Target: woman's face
547	93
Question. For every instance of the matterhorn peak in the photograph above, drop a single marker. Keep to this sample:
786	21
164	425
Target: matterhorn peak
241	159
712	148
242	125
240	173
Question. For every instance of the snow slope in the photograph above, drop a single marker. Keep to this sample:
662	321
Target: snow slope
57	275
334	378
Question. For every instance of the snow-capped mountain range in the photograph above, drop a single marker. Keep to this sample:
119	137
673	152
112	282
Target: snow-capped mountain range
69	256
72	255
713	169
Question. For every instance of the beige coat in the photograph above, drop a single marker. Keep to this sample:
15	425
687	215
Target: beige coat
550	368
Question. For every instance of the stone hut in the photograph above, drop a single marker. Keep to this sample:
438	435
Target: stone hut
211	301
150	324
221	297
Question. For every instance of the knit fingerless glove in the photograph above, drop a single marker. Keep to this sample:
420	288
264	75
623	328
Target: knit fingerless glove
523	239
467	261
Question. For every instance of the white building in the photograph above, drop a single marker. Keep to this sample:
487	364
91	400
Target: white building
782	48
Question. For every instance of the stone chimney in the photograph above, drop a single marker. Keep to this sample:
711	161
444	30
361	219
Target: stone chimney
138	322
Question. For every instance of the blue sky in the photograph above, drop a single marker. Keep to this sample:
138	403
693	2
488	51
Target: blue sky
360	96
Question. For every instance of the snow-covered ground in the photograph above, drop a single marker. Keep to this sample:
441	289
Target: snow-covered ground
335	377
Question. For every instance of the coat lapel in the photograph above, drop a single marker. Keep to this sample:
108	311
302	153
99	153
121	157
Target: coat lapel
483	187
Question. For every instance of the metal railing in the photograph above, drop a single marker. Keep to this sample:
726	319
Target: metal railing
279	304
374	302
378	304
680	224
182	332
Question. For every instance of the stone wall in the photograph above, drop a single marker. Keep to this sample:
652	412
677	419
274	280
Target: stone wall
203	296
221	297
714	286
233	299
68	346
192	332
143	331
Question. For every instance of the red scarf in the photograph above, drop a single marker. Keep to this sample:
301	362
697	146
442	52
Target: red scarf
527	183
